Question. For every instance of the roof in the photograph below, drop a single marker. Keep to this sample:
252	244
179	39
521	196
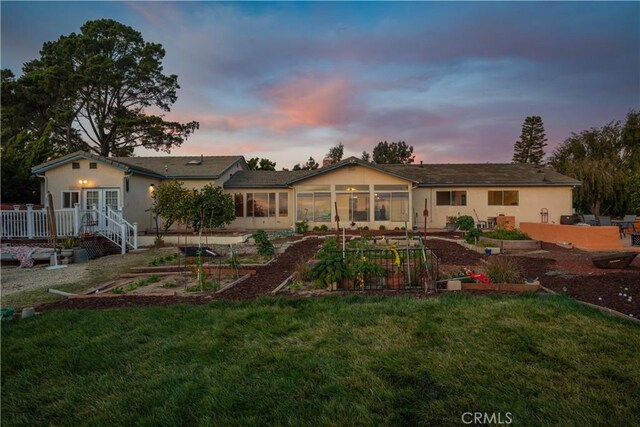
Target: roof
182	167
351	161
481	175
205	167
426	175
264	179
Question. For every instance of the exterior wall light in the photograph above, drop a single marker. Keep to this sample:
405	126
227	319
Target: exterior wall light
83	182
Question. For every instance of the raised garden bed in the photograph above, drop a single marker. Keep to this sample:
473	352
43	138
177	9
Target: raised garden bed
501	287
507	246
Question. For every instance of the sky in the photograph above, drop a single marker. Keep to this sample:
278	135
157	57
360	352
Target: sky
287	81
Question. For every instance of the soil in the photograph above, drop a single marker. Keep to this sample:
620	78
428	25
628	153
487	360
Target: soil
270	277
566	271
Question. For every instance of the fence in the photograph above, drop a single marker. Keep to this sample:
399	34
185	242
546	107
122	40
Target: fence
404	268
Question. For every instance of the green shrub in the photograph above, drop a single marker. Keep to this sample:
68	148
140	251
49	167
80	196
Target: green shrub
366	227
265	247
302	227
153	279
465	222
472	235
382	227
502	269
323	227
316	228
504	234
330	266
117	290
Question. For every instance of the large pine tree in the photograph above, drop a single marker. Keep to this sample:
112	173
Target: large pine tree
530	147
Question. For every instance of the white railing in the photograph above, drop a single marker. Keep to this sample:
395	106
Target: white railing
33	223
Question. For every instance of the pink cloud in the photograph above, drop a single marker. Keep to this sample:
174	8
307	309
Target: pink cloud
312	101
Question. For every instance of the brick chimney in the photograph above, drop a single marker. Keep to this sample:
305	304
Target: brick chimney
326	162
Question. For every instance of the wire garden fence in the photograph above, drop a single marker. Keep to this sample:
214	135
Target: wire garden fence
402	268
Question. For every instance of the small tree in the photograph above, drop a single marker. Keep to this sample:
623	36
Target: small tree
169	199
365	157
393	153
210	208
261	164
336	153
310	165
530	147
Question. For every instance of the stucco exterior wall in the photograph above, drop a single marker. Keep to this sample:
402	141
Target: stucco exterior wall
139	200
558	201
65	178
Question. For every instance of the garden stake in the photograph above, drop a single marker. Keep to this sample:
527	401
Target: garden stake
406	236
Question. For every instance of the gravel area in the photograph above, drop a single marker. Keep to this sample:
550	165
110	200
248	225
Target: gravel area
25	279
14	279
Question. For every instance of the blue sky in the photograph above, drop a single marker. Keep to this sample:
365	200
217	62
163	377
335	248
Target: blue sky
289	80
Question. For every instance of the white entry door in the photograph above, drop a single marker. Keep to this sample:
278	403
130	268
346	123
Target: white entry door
102	199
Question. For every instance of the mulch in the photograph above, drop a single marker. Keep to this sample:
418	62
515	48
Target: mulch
565	271
268	278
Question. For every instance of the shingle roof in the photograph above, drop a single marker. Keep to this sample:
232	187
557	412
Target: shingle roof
428	175
209	167
264	179
481	174
179	167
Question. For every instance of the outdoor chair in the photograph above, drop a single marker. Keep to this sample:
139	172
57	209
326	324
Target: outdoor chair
629	223
604	220
589	219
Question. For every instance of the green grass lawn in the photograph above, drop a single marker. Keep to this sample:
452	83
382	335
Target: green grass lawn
331	361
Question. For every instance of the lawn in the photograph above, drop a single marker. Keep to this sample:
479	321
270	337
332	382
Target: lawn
330	361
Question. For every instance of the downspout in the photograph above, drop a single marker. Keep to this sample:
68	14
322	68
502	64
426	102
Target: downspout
124	188
46	188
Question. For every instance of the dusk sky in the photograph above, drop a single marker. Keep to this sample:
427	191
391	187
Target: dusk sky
289	80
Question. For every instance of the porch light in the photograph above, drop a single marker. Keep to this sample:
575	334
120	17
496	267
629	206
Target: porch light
83	182
351	189
152	187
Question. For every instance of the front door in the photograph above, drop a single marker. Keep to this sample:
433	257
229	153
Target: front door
101	199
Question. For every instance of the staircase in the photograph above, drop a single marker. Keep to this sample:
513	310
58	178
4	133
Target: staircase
112	226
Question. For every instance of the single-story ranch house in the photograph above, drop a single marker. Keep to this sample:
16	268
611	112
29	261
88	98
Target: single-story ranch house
365	194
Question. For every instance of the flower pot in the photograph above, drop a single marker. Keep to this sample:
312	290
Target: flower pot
393	281
67	253
451	226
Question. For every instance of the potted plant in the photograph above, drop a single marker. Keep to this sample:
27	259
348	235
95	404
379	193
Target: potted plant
68	245
452	223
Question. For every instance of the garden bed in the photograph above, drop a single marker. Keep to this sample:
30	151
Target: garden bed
507	246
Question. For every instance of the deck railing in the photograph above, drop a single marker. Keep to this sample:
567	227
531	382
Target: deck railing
34	224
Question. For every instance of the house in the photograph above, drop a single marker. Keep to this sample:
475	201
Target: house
358	192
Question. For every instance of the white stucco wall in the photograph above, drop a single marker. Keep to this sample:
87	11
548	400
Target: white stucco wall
558	201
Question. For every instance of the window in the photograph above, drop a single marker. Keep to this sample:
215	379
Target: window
75	165
314	206
451	198
283	203
353	206
93	165
70	198
503	198
390	205
238	199
260	205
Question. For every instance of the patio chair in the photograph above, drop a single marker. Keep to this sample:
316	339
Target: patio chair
604	220
589	219
629	223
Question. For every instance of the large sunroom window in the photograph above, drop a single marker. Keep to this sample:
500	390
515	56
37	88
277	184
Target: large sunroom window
391	205
314	203
353	202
